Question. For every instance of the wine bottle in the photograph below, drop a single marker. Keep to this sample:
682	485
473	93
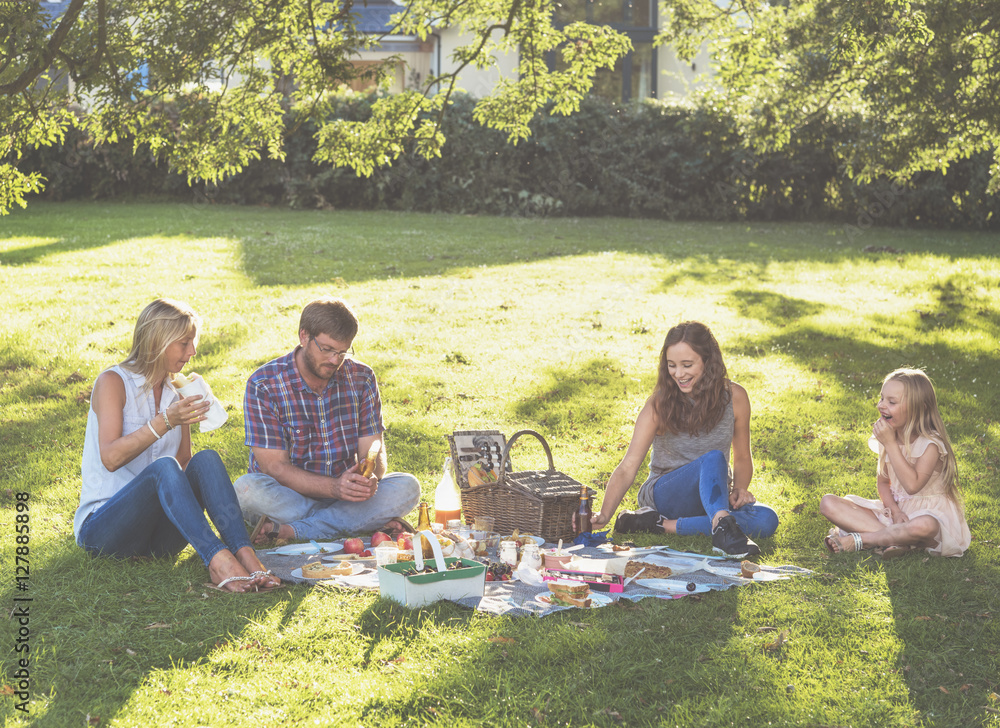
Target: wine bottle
447	498
424	524
583	512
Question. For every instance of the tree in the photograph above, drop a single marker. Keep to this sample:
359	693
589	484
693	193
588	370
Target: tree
922	78
211	84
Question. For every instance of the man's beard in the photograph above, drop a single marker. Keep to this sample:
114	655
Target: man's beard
315	369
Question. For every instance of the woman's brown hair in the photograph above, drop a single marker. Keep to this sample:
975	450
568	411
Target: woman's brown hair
699	412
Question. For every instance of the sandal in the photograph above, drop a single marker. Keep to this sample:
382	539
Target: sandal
270	534
401	527
834	546
893	552
271	587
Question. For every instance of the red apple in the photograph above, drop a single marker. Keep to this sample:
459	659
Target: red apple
354	546
405	542
379	538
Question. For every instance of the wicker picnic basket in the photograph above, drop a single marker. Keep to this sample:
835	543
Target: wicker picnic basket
539	502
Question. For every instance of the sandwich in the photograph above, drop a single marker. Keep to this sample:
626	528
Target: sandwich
569	593
368	464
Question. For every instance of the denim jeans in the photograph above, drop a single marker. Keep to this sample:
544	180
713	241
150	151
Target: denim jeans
695	492
312	518
160	512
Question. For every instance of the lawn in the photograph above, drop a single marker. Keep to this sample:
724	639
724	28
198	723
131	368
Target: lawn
473	323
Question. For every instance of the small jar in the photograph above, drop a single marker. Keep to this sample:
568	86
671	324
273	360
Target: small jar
508	552
531	557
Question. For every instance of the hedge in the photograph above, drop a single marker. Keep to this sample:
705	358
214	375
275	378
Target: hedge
649	160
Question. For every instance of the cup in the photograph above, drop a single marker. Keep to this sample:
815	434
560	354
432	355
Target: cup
483	523
385	554
454	524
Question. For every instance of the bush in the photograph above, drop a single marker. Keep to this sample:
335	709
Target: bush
647	160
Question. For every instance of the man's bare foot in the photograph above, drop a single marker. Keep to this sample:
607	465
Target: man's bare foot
395	527
248	558
270	531
225	566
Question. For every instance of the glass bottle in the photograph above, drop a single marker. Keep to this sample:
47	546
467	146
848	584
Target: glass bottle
424	524
447	498
583	512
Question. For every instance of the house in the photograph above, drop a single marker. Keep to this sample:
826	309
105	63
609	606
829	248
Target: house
647	72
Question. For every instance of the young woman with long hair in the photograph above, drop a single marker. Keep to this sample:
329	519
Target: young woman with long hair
694	419
144	494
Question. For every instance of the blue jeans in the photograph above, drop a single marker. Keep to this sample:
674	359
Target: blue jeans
160	512
695	492
312	518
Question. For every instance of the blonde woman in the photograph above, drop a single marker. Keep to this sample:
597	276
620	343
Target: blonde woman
143	493
919	504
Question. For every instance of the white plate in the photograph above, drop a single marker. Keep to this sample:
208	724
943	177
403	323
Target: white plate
636	551
538	539
355	570
673	586
597	599
333	558
732	571
306	549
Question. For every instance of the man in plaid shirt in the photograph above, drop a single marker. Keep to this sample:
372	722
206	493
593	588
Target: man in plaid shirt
311	417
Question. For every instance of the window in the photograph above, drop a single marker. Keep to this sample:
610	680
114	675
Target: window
633	76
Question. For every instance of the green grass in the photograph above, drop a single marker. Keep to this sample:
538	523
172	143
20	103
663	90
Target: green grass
504	323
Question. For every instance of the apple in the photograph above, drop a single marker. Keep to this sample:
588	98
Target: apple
354	546
405	542
379	538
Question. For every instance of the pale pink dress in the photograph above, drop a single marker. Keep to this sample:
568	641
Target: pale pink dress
932	500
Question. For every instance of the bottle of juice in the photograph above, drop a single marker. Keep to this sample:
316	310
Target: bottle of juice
447	497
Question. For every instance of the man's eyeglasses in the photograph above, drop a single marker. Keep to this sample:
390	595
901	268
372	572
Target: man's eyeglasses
330	353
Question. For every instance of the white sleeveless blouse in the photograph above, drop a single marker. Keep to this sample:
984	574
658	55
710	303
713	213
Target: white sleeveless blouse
99	483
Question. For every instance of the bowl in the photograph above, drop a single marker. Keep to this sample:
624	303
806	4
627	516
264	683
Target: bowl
552	560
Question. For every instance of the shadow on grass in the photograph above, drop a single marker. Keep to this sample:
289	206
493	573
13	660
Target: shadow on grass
105	625
579	667
591	393
943	616
770	307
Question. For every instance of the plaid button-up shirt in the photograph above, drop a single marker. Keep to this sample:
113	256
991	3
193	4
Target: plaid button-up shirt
319	431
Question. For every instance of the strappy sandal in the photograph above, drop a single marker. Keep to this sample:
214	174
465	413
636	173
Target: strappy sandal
270	534
272	587
834	547
222	584
403	527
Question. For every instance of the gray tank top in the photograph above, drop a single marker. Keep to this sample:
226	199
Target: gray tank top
672	451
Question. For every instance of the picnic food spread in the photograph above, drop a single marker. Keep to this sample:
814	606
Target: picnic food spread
318	570
649	571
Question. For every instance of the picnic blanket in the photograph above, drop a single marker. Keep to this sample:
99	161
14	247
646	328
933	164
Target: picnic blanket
520	598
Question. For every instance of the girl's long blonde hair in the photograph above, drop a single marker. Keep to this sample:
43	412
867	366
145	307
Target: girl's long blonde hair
160	324
924	419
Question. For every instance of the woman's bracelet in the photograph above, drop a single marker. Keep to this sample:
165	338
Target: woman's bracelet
166	421
149	424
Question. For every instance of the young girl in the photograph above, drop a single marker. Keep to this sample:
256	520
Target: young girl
919	504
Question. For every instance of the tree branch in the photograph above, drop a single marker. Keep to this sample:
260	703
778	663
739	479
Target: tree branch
29	75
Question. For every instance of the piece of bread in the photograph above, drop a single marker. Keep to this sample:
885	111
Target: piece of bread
318	570
748	569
